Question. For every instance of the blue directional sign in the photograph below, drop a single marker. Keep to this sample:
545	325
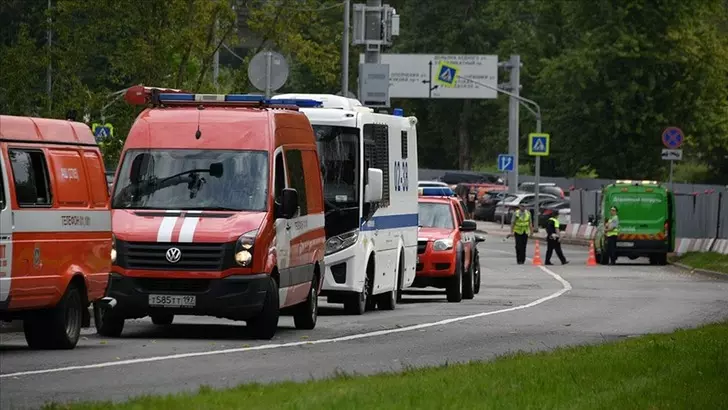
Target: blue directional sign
539	145
506	162
672	137
447	74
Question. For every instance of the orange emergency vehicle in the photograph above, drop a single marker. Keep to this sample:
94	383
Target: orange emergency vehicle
55	228
217	210
447	256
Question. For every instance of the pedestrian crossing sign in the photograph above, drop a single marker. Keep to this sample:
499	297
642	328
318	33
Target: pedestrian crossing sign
539	145
447	74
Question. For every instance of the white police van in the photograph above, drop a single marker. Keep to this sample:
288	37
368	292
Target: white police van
369	170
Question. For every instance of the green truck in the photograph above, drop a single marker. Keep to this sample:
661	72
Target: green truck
646	211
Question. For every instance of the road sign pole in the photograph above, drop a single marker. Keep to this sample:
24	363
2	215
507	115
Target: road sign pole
268	69
537	180
672	188
513	111
345	50
373	22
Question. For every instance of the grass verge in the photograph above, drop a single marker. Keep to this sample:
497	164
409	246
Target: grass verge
685	369
712	261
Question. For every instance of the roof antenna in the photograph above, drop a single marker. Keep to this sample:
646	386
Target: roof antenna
198	133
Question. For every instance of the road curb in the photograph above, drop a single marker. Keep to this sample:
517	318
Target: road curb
701	272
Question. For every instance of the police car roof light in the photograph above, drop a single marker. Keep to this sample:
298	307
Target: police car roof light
140	95
398	112
436	191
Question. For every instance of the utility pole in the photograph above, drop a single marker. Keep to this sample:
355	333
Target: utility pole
49	74
216	57
372	53
536	111
513	110
345	50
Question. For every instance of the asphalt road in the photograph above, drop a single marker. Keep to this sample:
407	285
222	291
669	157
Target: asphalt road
519	308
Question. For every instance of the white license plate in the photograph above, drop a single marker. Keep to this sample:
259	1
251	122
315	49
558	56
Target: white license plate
173	300
625	244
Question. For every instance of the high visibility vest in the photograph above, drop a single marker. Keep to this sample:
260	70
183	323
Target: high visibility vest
556	222
523	222
614	232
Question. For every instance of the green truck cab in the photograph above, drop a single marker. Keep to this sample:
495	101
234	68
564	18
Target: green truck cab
646	211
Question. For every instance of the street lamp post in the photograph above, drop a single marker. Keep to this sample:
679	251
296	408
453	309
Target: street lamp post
529	105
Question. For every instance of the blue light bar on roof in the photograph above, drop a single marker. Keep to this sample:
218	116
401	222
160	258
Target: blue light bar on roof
436	191
222	98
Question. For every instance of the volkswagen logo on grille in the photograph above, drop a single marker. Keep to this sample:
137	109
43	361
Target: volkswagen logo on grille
173	255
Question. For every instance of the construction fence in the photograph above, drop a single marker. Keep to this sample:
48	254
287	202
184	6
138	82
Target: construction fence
698	214
701	210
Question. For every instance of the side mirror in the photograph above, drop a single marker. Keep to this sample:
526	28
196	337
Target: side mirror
468	225
289	203
479	238
373	189
139	167
216	169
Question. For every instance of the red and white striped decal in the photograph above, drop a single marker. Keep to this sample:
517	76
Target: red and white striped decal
181	226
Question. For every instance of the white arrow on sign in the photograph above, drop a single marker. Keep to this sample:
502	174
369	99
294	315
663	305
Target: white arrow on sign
672	154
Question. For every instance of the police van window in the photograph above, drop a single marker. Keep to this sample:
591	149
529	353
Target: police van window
2	186
404	145
30	173
298	180
280	182
379	154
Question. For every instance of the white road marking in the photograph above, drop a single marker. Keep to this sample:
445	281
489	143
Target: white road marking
566	286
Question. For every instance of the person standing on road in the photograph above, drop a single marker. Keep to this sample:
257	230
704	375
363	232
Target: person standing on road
552	241
611	229
521	228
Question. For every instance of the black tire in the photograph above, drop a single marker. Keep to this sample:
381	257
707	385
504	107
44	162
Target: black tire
162	319
361	302
469	282
60	327
476	271
388	300
305	314
455	287
265	324
659	259
107	323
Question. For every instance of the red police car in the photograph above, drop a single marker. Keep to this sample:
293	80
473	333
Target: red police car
447	256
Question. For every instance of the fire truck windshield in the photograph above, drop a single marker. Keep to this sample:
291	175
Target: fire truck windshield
192	180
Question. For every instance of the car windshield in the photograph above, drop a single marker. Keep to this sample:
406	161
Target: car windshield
434	215
185	179
338	149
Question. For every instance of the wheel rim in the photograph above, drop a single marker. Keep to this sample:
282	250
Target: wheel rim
72	316
460	282
314	301
365	292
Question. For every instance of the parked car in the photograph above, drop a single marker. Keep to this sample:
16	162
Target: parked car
506	207
485	209
544	188
554	208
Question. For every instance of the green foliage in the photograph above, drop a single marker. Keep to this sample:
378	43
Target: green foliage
609	76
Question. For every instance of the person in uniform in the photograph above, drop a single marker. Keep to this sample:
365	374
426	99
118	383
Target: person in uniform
521	228
552	241
611	229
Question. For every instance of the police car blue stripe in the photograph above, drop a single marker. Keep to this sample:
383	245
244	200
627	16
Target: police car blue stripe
390	222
